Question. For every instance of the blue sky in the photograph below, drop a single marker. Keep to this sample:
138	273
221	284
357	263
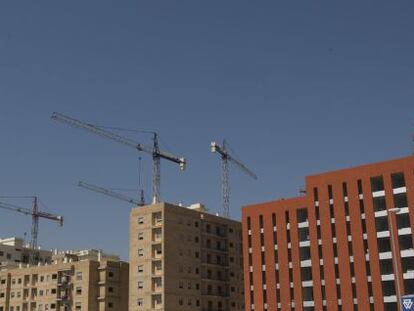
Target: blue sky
297	87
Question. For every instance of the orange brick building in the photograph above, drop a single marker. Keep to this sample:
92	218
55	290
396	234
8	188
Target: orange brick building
333	248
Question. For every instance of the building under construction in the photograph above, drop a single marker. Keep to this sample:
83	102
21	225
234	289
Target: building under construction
13	251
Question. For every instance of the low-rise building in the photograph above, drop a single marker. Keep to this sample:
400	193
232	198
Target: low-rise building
67	283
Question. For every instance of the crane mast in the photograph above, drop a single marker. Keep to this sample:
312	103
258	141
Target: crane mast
110	193
226	158
36	215
155	151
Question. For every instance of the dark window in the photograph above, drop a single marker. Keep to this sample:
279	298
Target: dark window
306	273
384	245
398	180
315	194
303	234
344	190
407	264
403	221
400	200
386	266
379	204
381	224
388	288
330	193
377	184
302	215
405	242
305	253
359	186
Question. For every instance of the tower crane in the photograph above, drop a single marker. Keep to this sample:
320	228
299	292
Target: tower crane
226	157
155	151
36	214
110	193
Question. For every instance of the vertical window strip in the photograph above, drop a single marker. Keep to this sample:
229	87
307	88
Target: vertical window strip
276	259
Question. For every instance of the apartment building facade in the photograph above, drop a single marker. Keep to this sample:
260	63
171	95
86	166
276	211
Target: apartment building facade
184	259
67	284
347	244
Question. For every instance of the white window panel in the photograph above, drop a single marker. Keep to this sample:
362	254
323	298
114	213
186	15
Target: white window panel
404	231
409	275
407	253
304	224
385	255
377	194
383	234
381	213
306	263
399	190
387	277
309	303
307	283
390	298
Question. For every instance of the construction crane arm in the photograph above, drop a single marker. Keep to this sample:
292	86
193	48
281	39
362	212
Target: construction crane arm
100	132
27	211
243	167
117	138
108	193
15	208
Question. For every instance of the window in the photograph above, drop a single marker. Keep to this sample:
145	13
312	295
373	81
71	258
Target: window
140	220
140	268
400	200
379	204
140	285
302	215
381	224
110	304
110	274
79	276
140	252
78	290
405	242
384	245
377	184
397	180
403	221
140	302
386	266
110	289
140	236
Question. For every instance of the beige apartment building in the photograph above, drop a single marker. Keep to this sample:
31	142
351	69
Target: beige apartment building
183	258
69	283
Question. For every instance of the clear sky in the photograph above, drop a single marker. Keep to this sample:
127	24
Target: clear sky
297	87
